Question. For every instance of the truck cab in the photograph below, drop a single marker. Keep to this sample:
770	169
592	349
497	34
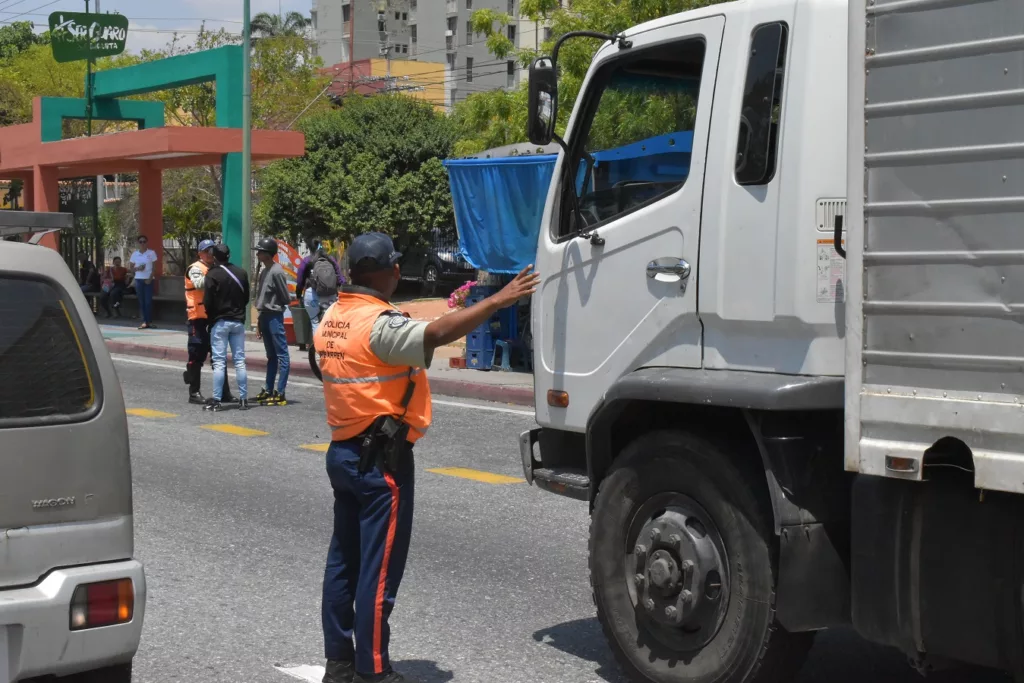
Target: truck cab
711	363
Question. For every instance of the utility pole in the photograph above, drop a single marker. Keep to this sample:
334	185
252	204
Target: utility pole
246	259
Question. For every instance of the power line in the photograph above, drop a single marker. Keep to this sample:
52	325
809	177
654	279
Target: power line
52	2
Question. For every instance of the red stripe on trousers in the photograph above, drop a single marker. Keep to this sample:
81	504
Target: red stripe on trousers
378	612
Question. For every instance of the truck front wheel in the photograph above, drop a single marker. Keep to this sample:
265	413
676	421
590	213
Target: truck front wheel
682	568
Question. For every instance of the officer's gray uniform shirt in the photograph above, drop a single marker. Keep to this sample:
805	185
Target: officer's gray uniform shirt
397	340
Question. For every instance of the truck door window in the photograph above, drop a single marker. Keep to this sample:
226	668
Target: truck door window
44	358
757	146
634	141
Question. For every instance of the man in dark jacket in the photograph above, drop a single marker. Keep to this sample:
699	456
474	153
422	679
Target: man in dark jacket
225	299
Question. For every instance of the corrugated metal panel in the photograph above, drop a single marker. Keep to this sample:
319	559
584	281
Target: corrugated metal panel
942	258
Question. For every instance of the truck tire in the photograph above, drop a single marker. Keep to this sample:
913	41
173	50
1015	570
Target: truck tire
683	570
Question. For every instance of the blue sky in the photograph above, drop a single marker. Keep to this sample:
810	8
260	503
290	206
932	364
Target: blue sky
152	23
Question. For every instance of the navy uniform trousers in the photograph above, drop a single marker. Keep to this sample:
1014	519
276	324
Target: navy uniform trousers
366	559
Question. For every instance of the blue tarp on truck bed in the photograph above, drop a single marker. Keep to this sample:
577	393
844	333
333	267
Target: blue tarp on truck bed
498	206
499	202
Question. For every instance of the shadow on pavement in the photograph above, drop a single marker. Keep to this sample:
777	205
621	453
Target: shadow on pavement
423	670
583	638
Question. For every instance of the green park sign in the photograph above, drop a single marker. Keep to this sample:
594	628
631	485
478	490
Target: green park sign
78	35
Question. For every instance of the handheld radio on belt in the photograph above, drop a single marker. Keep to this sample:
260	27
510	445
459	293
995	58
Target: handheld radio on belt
384	443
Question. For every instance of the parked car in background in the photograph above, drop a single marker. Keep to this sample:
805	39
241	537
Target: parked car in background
436	264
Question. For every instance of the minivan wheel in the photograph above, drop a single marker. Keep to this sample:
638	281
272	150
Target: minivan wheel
682	568
122	673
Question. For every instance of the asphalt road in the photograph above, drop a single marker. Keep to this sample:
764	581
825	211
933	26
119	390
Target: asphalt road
233	529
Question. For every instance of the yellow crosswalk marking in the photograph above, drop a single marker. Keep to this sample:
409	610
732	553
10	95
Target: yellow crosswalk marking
234	430
146	412
318	447
476	475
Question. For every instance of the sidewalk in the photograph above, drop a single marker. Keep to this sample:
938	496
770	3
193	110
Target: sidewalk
170	344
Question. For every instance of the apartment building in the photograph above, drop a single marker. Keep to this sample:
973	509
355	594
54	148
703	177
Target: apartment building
423	30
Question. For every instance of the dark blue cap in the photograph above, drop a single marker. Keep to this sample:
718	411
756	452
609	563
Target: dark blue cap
371	252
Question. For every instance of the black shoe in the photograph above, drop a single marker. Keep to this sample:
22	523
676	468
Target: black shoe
197	398
243	404
277	400
390	677
339	672
263	397
214	406
229	399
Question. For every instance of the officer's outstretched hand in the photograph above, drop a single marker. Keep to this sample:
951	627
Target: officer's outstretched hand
522	285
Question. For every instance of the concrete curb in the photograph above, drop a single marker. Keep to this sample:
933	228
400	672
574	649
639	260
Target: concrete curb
520	396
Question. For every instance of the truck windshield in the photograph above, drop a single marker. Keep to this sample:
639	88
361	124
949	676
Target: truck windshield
636	134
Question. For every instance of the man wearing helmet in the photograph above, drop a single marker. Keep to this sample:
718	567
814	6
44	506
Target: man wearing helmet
272	299
198	324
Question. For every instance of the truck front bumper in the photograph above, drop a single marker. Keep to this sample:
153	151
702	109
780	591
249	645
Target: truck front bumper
565	481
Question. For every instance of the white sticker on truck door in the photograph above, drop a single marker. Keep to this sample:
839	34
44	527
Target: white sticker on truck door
831	280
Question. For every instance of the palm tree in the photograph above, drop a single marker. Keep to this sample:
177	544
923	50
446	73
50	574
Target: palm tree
267	25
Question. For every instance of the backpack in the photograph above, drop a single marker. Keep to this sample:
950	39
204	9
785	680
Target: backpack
323	278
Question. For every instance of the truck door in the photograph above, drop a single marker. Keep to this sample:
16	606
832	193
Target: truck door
626	298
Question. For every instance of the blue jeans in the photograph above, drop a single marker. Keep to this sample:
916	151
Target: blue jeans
311	301
366	558
224	333
145	293
271	326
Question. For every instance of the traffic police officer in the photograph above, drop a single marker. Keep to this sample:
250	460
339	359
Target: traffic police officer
378	404
198	326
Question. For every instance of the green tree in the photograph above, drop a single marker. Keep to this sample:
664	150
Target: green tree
18	37
372	164
486	120
267	25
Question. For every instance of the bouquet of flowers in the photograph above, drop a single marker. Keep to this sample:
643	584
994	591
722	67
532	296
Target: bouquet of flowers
458	297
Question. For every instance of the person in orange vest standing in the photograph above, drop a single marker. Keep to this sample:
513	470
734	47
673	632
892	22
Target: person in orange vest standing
198	325
373	359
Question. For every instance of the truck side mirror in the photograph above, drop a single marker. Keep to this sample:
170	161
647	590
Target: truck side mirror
543	101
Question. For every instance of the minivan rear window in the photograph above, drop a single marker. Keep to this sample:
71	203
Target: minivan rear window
43	362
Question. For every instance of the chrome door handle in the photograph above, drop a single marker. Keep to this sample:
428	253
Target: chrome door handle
669	269
668	266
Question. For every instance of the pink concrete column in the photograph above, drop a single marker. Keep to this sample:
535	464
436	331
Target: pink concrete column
151	214
28	201
45	194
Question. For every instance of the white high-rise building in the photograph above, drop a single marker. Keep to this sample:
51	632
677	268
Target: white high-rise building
424	30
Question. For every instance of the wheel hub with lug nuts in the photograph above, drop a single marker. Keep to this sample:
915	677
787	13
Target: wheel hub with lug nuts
680	573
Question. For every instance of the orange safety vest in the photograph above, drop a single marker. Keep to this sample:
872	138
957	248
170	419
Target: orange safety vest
194	307
358	386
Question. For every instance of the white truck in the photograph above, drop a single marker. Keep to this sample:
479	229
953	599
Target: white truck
777	435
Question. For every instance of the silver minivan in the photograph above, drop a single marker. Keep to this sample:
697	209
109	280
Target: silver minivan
72	597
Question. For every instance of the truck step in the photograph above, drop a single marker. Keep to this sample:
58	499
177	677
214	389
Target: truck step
565	481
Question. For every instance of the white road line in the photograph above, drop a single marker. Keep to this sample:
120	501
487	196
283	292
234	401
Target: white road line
313	674
310	385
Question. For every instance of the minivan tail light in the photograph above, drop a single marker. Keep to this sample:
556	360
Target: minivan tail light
102	604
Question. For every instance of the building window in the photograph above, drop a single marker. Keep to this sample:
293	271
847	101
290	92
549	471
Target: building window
510	69
412	33
346	13
451	24
469	33
469	4
758	142
412	5
451	61
512	33
469	69
547	34
512	7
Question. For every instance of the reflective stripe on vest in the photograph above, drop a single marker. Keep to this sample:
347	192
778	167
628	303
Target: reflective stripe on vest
358	386
194	307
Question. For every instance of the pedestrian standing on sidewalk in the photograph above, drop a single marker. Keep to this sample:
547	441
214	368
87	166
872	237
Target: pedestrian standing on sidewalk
225	299
378	405
318	281
272	299
199	326
142	260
